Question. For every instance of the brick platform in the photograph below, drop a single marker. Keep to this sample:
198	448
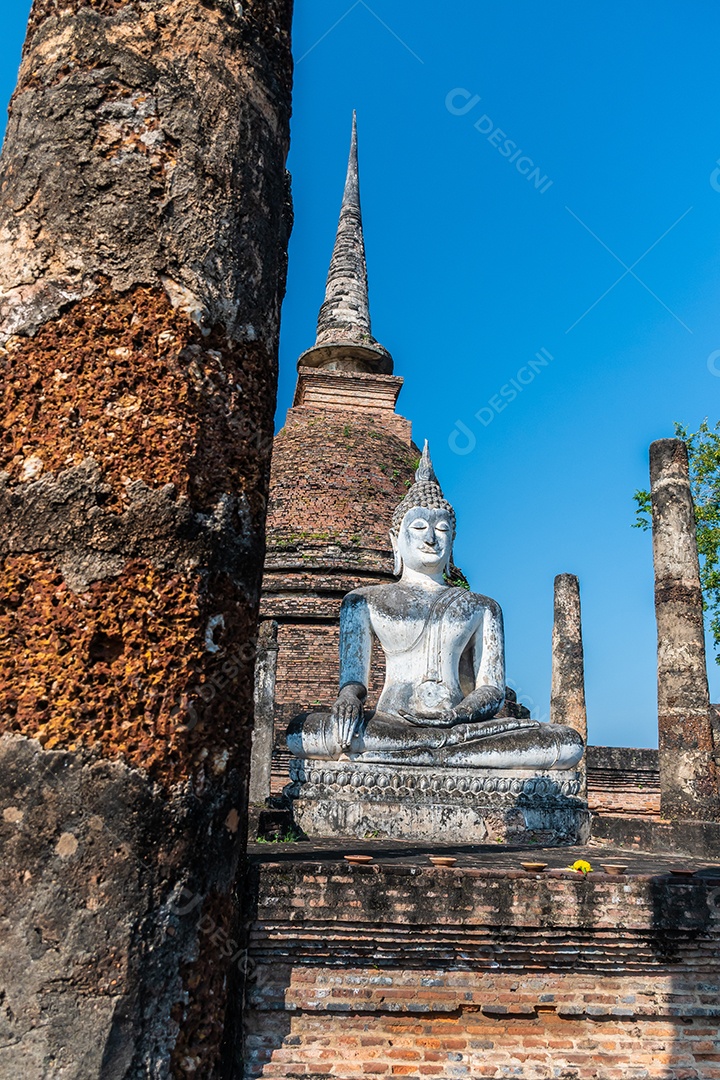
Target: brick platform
400	968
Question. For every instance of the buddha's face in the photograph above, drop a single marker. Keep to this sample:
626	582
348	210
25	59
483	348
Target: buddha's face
425	540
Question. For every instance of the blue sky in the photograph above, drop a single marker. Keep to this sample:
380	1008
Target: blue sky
483	253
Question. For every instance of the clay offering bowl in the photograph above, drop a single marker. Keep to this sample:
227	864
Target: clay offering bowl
359	858
534	867
611	868
442	860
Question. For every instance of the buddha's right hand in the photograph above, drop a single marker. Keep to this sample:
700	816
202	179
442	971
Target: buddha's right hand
347	714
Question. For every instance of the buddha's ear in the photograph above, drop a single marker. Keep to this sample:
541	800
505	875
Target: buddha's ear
398	565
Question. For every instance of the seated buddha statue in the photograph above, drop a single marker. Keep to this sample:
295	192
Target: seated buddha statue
445	664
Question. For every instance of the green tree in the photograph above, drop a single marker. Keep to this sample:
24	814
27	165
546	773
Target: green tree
704	458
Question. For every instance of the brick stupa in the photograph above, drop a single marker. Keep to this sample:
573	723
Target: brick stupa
340	466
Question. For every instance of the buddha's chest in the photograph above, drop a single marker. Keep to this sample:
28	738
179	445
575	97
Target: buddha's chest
426	635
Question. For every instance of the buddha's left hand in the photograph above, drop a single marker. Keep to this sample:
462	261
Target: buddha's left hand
481	704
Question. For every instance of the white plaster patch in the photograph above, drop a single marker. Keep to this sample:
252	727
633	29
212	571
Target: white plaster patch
185	301
220	762
32	467
67	845
213	623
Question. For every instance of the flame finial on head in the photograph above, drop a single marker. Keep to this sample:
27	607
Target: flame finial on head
425	469
426	492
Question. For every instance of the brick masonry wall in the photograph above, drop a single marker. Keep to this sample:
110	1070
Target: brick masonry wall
478	1044
623	781
336	478
308	662
391	970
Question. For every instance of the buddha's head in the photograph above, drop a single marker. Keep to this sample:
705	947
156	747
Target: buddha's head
423	525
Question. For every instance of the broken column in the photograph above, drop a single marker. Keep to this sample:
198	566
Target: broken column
688	778
567	693
144	217
264	720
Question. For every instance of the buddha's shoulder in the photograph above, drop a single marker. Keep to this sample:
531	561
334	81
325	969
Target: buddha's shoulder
465	601
389	598
486	602
371	594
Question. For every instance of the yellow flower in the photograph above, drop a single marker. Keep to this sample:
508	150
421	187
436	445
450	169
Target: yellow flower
581	866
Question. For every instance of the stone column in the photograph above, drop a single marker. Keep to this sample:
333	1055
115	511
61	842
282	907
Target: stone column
688	779
264	720
567	693
144	215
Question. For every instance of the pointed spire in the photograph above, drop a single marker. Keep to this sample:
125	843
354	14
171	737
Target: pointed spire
425	470
346	306
344	340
